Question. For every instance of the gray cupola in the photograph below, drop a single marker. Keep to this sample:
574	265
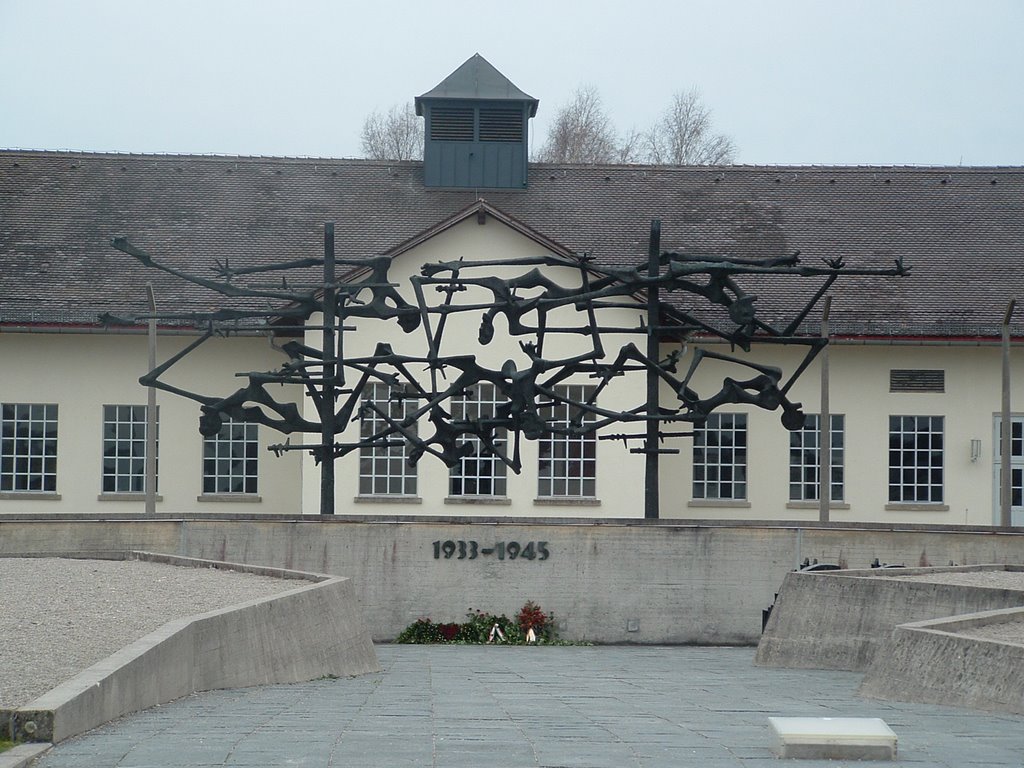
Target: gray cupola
477	131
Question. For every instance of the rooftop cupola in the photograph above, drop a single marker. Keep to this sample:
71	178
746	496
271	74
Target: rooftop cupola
477	129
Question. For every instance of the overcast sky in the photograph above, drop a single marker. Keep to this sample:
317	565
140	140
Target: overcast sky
791	81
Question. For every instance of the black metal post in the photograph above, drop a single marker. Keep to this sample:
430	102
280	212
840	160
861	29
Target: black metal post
327	396
651	443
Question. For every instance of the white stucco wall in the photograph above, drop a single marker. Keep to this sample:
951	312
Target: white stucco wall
859	389
83	372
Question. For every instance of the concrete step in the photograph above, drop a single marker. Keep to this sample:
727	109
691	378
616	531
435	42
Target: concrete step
833	738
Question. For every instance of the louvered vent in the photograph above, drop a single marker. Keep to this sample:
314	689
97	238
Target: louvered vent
501	125
914	380
451	123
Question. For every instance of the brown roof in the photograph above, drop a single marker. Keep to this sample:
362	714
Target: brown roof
961	230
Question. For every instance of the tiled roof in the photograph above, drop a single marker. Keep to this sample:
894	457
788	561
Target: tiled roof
960	230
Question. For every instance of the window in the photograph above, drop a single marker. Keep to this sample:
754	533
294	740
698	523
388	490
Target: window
28	448
480	473
915	459
229	459
124	449
568	461
805	459
720	457
1016	461
385	469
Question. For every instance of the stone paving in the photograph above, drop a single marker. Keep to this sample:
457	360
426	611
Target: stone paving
512	707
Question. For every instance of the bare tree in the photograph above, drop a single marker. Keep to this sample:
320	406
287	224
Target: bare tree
581	132
684	135
631	148
393	135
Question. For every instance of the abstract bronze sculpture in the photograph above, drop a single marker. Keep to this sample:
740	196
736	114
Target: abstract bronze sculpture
337	383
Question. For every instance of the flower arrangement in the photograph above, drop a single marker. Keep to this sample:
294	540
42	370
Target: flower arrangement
485	627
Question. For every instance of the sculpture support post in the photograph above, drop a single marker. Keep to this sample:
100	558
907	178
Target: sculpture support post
651	457
824	425
1006	427
327	393
151	423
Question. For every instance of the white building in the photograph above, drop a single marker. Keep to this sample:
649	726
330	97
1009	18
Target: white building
915	365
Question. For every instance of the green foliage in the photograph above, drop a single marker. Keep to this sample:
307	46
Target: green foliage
5	745
479	627
420	631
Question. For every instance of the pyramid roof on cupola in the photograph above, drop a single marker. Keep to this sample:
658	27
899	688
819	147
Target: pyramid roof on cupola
477	79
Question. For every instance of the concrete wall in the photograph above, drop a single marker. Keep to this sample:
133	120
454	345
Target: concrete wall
929	662
612	581
248	644
833	620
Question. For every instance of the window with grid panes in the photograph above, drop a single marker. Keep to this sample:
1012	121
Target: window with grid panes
720	457
480	473
385	469
124	449
230	463
916	459
28	447
805	458
568	457
1016	458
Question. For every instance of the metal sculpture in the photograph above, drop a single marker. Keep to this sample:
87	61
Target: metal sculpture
336	383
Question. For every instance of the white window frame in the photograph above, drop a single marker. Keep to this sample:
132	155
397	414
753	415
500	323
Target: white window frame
1016	469
230	460
917	459
805	459
124	449
478	475
567	465
28	448
385	470
720	453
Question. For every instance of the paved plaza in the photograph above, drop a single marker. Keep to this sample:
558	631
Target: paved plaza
512	707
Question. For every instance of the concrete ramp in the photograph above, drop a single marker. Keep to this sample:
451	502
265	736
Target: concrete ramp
974	661
839	619
312	631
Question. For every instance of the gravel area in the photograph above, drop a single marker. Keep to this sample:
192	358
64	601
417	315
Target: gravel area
1007	632
997	579
61	616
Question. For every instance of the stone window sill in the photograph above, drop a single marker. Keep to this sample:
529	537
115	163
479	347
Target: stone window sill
383	498
29	496
719	503
125	497
815	505
244	498
566	501
499	500
917	508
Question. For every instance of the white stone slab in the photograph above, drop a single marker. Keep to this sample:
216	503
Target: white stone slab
833	738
